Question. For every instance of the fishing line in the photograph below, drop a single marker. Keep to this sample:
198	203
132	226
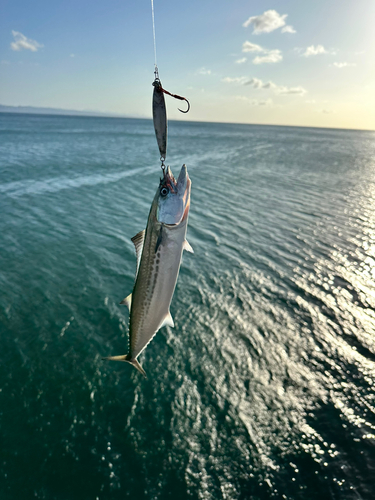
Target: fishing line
159	112
153	29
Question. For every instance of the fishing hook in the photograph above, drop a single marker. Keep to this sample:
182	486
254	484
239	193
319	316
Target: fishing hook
177	97
157	83
188	103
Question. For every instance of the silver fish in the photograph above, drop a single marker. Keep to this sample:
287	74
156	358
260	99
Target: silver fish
159	251
159	115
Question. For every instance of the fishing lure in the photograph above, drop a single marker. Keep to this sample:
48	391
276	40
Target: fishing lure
159	114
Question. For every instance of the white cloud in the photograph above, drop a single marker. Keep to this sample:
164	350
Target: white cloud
313	51
22	42
291	90
272	56
239	79
254	102
267	85
312	101
256	83
266	22
252	47
288	29
327	111
343	64
204	71
241	61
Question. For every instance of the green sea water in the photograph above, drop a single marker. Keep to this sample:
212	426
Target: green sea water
265	387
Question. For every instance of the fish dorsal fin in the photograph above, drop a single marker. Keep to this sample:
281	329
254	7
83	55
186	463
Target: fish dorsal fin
127	301
186	246
168	321
138	241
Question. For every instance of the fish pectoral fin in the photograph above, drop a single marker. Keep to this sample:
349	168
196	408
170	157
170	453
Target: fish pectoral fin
168	321
186	246
138	241
127	301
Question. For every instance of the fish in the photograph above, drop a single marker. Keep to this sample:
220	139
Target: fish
159	250
159	115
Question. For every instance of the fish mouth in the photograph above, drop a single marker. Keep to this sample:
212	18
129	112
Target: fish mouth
182	182
184	185
175	209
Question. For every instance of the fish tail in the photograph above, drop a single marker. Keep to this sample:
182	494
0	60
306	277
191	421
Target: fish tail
136	365
128	359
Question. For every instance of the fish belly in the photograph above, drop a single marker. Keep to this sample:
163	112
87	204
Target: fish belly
156	300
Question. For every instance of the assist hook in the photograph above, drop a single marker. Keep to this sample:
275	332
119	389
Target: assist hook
177	97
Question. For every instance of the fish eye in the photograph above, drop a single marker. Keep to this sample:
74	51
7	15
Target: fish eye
164	191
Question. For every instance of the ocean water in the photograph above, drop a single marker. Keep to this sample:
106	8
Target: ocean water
265	387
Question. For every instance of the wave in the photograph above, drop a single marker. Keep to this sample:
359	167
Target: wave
55	184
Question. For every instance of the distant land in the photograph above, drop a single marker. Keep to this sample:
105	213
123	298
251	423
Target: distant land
58	111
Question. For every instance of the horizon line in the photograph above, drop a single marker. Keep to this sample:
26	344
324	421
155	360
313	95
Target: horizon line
49	111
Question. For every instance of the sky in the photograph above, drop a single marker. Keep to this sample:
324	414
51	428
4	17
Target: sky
265	62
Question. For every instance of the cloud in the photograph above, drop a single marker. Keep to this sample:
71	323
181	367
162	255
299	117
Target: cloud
266	22
313	51
272	56
278	89
241	61
343	64
239	79
23	43
252	47
256	83
254	102
291	90
288	29
327	111
204	71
